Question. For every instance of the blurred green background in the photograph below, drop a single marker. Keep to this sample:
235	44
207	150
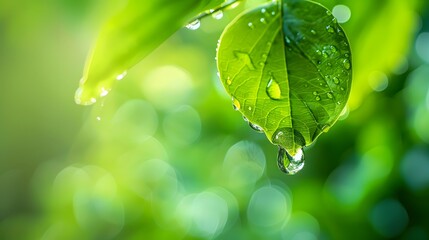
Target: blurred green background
164	156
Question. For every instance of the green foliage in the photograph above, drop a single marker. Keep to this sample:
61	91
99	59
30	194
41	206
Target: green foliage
288	70
128	37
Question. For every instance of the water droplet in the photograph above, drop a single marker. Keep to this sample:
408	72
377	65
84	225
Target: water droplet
121	76
334	20
338	102
103	92
293	164
313	32
333	49
273	89
250	25
321	84
318	52
287	40
324	54
346	55
315	93
317	98
245	118
328	13
217	15
98	118
228	80
262	20
273	13
263	10
235	104
346	64
330	29
261	64
264	56
341	88
329	64
336	80
319	62
245	58
306	85
329	95
256	127
194	25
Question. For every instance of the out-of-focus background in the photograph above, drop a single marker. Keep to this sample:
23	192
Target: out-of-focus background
164	156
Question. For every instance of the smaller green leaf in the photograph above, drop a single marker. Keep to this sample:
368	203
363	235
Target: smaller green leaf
129	36
287	67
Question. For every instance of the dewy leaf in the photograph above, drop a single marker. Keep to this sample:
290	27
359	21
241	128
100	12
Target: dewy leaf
287	67
129	36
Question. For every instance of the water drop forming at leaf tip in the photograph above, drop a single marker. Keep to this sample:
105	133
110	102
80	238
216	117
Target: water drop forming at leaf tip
293	164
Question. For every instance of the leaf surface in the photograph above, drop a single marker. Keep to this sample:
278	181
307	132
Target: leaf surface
287	67
129	36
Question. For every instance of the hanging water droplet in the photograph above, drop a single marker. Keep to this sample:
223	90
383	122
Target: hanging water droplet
235	104
121	76
336	80
346	64
293	164
256	127
329	95
194	25
217	15
315	93
317	98
273	89
330	29
250	25
313	31
262	20
245	118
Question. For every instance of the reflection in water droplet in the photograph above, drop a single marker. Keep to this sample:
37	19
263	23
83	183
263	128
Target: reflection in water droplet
121	76
346	64
217	15
256	127
273	89
293	164
250	25
235	104
194	25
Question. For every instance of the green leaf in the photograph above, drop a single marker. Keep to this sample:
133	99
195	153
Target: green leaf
287	67
129	36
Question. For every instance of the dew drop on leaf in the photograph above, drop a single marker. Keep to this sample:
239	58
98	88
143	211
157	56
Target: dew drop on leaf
346	64
290	164
217	15
194	25
235	104
256	127
273	89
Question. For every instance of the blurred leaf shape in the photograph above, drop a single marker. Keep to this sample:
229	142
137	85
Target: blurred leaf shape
287	67
129	36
